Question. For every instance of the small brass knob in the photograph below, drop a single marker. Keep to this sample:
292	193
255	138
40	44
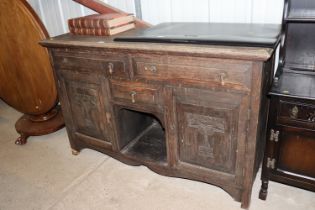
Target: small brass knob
311	117
294	112
133	96
153	69
111	68
222	77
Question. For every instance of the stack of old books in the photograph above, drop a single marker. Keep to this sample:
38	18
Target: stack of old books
101	24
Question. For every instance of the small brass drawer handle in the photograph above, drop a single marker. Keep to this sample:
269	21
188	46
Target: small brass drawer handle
222	77
111	68
311	117
294	112
153	69
133	96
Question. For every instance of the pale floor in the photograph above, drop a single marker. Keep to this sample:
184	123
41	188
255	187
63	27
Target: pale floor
44	175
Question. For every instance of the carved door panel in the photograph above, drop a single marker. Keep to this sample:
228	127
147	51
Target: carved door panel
211	129
86	105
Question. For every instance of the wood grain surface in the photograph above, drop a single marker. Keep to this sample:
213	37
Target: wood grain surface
26	75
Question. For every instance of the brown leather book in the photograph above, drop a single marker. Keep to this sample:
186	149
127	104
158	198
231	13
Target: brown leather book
101	31
101	20
101	7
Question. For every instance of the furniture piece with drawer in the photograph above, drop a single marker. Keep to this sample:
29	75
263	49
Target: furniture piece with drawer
182	110
290	148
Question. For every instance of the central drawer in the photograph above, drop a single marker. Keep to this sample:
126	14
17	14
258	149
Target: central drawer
135	92
221	72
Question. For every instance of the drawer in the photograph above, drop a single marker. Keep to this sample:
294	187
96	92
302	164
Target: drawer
296	114
111	68
221	72
134	92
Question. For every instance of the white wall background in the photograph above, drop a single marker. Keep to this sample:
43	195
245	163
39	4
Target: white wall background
55	13
240	11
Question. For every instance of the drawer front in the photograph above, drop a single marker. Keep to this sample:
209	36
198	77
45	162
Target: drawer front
136	93
112	67
218	71
296	114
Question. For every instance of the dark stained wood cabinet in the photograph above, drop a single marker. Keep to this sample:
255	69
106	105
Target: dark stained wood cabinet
182	110
290	148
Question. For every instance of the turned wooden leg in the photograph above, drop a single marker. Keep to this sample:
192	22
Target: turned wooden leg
75	152
263	190
21	140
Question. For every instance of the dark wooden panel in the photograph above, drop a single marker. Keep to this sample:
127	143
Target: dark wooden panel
86	106
208	128
300	49
206	138
295	84
296	152
130	124
149	147
301	9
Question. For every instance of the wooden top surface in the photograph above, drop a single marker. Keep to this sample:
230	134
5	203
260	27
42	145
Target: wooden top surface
217	51
26	76
295	84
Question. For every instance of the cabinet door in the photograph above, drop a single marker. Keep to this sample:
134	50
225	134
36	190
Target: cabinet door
86	104
295	153
211	130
